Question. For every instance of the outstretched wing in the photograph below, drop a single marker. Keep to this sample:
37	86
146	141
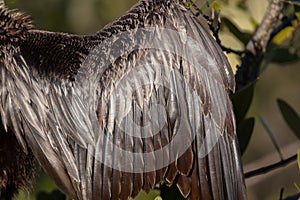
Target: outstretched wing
160	92
148	103
164	112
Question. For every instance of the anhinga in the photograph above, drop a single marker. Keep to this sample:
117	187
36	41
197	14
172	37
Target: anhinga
142	101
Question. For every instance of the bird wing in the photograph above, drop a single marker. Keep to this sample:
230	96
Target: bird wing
149	103
160	92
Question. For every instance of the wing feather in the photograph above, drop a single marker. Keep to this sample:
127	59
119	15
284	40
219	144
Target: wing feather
147	105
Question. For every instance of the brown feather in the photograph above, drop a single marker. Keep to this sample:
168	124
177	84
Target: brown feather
80	108
184	185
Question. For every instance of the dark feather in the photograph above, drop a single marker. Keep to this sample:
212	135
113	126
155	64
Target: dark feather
110	114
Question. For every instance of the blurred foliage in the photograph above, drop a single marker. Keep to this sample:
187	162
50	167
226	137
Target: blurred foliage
244	132
240	18
55	194
283	48
290	116
153	195
298	158
272	136
298	161
241	103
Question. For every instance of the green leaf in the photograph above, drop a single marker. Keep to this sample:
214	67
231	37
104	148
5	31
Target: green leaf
241	36
298	158
272	136
257	9
281	55
244	133
238	16
242	101
297	10
290	115
283	35
152	195
297	186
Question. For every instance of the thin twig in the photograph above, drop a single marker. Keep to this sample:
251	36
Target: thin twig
281	194
215	32
271	167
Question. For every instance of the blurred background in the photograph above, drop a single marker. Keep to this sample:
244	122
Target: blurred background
280	78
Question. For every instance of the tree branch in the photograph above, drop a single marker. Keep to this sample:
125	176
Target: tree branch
256	48
269	168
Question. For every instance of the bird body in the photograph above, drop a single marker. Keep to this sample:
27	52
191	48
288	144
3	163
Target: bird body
142	101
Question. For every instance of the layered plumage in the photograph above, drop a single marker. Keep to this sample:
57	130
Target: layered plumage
142	101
